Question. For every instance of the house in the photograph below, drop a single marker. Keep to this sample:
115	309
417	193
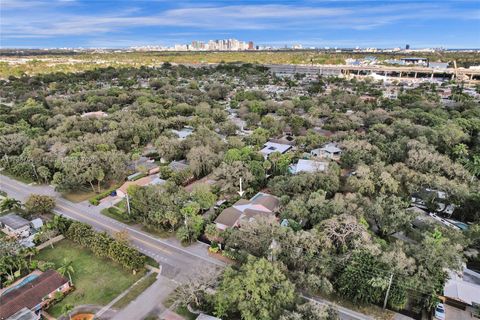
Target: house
25	314
94	114
183	133
142	182
34	292
436	198
462	291
15	226
143	164
308	166
329	151
262	204
271	147
178	166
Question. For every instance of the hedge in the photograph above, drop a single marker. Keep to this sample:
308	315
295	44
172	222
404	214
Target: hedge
95	200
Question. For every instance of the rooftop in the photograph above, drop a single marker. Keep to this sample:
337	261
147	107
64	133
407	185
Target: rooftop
14	221
30	294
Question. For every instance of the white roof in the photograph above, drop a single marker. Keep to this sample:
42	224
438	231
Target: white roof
331	148
183	133
460	290
37	223
309	166
271	147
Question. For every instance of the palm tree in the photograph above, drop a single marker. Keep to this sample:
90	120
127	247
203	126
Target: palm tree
474	166
67	268
10	204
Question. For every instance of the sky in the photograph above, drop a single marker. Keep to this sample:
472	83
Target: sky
333	23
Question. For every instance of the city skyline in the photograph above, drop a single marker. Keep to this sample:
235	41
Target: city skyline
342	24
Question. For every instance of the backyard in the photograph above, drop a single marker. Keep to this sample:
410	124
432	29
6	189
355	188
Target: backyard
97	280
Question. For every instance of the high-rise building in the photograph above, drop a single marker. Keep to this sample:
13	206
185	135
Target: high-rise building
250	45
407	47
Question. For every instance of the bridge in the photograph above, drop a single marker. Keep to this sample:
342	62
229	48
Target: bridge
467	75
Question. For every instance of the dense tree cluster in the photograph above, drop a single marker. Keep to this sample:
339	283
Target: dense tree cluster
343	231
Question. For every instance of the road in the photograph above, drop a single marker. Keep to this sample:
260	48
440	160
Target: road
174	258
177	262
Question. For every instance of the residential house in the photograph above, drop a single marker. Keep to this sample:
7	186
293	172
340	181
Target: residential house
142	182
271	147
143	164
329	151
308	166
34	293
262	204
436	198
15	226
178	166
462	291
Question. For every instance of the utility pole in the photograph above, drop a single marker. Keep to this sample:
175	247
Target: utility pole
388	291
128	204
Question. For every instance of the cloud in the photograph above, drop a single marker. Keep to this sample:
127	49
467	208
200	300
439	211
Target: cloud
41	19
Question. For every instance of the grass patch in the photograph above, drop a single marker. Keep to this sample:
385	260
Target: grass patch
370	309
86	193
21	179
136	291
183	311
117	214
157	232
97	280
152	262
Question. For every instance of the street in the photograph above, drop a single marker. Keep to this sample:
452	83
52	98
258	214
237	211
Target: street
174	258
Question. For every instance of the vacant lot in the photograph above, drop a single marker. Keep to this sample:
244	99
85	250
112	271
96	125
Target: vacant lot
97	281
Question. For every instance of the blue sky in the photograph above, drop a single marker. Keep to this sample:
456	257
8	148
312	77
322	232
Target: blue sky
123	23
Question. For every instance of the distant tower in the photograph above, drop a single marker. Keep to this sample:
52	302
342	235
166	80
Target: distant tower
407	47
250	45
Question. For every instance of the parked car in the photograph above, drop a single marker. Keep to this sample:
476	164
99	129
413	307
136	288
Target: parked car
440	311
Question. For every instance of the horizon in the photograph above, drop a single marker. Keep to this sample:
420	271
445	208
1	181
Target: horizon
343	24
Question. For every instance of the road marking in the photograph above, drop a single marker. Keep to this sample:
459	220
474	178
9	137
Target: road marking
114	229
218	263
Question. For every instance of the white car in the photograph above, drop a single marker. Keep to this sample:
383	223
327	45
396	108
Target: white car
440	311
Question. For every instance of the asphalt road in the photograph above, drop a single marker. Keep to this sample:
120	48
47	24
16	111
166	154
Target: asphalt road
174	259
176	262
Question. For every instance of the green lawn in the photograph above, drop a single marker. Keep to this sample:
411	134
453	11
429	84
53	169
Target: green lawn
117	214
97	280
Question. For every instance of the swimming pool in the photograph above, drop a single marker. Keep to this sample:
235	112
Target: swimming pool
26	280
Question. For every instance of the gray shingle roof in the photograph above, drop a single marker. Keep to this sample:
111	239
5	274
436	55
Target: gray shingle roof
14	221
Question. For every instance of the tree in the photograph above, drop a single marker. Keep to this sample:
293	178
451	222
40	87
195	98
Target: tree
389	215
46	235
193	223
258	290
40	204
361	281
202	160
67	269
193	290
203	196
10	204
228	177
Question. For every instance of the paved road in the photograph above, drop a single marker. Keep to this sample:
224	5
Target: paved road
174	258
